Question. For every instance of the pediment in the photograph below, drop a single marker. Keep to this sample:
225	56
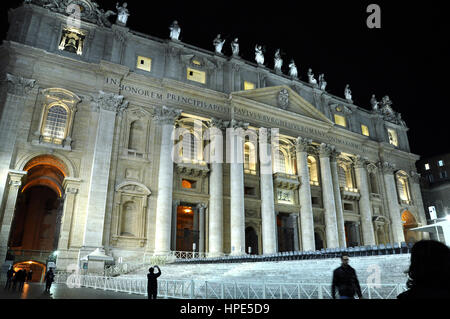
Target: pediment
284	98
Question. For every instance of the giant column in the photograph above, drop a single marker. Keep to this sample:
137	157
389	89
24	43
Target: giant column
166	118
365	207
237	208
392	200
306	211
338	200
14	181
215	232
267	197
17	92
418	201
329	203
108	105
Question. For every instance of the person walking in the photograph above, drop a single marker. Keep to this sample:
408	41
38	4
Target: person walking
345	280
152	285
15	279
429	272
22	278
9	277
30	276
49	277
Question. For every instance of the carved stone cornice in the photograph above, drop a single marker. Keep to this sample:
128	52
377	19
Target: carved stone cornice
192	170
326	150
166	115
302	144
18	85
15	178
109	102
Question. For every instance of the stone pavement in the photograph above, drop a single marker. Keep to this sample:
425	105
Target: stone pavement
61	291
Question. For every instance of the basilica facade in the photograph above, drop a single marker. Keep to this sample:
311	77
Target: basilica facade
119	141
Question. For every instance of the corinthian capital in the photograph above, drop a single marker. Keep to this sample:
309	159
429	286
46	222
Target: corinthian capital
238	124
219	124
326	150
302	144
18	85
386	167
167	115
109	102
361	162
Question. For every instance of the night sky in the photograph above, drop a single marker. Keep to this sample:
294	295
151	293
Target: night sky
407	59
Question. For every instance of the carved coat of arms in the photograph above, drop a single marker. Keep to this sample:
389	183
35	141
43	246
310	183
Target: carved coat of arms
283	99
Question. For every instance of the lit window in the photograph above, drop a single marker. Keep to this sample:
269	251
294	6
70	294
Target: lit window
248	85
188	184
196	75
340	120
365	130
427	167
441	163
393	139
54	129
144	63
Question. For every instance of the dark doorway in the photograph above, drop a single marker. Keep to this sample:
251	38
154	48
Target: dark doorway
352	234
285	233
251	240
35	220
318	241
186	234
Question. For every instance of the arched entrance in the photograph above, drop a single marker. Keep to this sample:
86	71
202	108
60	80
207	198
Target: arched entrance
37	269
409	222
39	206
251	240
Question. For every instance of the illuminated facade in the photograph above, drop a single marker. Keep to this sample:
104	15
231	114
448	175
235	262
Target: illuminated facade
88	113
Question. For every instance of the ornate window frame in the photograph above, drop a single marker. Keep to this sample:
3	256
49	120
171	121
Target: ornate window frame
50	98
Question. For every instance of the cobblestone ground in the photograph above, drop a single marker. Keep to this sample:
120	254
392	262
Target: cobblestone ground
61	291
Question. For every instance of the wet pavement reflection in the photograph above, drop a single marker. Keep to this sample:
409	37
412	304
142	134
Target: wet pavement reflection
62	291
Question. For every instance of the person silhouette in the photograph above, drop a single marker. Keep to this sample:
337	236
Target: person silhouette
345	280
152	285
49	277
429	272
9	277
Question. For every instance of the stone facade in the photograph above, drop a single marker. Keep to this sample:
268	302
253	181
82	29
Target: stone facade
123	192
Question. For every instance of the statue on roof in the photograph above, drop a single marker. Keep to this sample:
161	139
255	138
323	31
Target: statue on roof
348	93
278	61
374	103
175	31
218	44
293	72
311	78
259	55
122	14
322	82
235	47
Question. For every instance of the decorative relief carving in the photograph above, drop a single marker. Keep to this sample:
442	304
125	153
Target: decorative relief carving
302	144
109	102
283	99
386	167
18	85
167	115
219	124
361	162
326	150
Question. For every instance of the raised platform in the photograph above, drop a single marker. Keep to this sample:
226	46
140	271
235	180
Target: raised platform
384	269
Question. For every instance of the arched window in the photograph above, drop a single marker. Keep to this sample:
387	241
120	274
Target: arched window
128	219
55	124
313	170
189	147
342	176
403	188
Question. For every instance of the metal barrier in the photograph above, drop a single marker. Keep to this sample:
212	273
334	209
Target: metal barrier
190	289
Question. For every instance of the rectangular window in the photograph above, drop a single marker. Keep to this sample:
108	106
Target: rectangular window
196	75
144	63
365	130
189	184
427	167
393	139
441	163
248	86
340	120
